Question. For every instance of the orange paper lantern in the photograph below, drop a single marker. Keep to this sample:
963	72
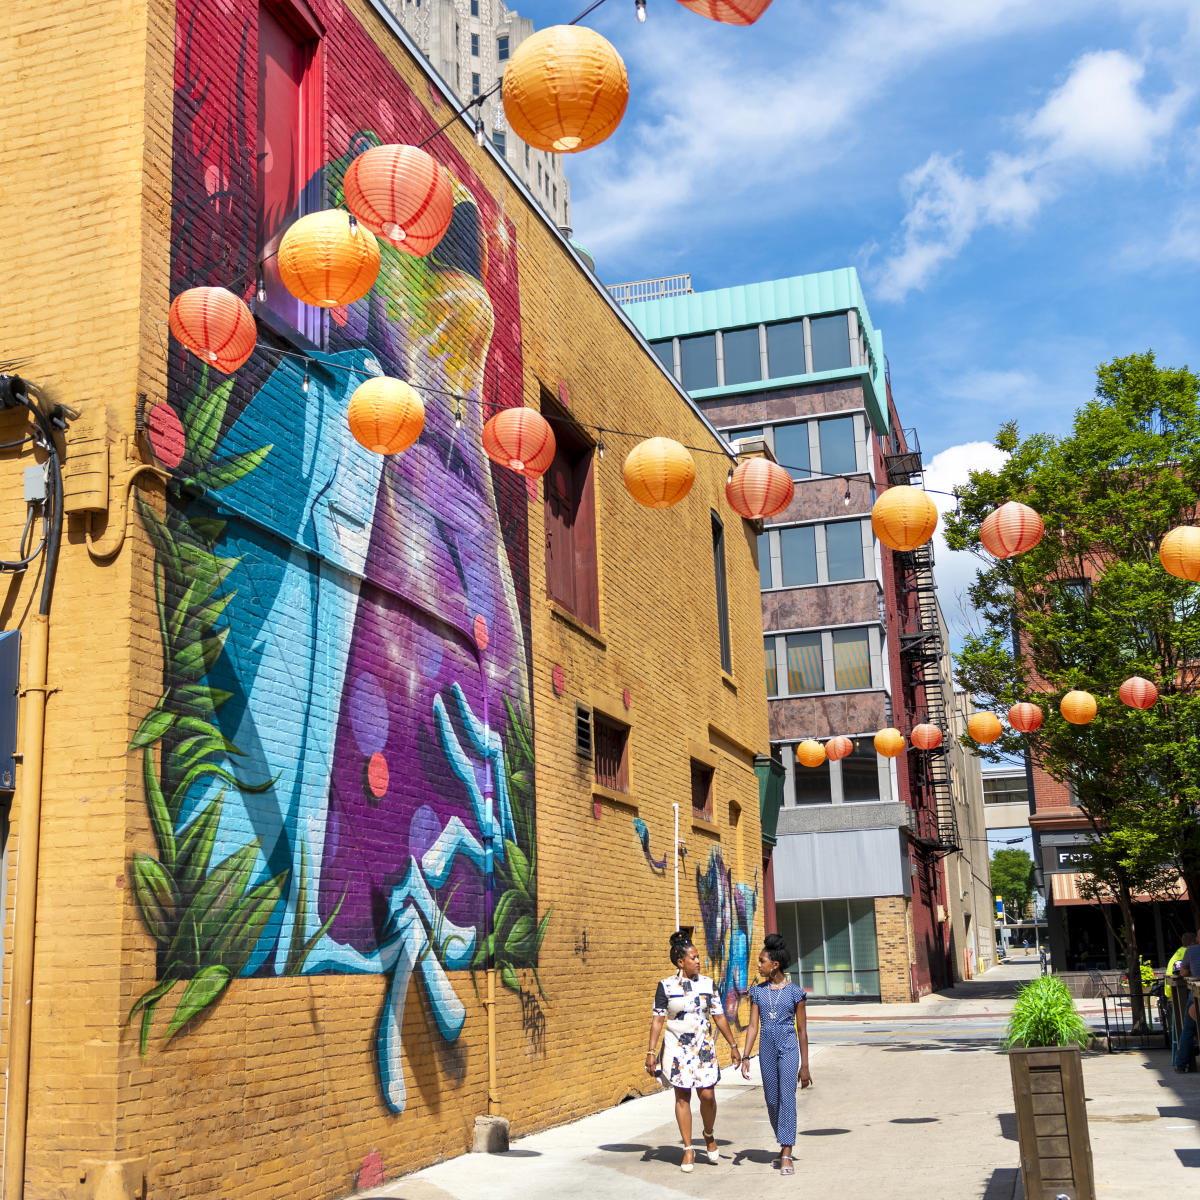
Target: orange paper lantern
1012	529
326	260
1078	707
759	488
215	325
838	747
889	742
810	753
904	518
565	89
1179	552
402	194
1138	692
1025	717
926	737
729	12
385	415
520	439
984	727
659	472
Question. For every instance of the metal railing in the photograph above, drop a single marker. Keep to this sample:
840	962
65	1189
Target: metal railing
651	289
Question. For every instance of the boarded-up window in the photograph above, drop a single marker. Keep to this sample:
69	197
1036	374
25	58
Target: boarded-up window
611	748
702	791
571	524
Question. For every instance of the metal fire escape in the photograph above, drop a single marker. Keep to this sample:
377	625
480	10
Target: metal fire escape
921	653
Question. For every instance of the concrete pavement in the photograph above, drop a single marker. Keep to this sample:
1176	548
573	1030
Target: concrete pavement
919	1110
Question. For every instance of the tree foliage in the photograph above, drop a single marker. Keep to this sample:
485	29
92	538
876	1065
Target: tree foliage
1012	879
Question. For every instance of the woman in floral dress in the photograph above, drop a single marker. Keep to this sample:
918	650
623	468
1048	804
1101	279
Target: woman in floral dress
686	1003
777	1009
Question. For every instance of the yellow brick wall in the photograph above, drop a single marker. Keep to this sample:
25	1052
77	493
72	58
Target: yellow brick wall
893	934
274	1092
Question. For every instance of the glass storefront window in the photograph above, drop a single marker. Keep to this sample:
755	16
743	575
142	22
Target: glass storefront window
836	947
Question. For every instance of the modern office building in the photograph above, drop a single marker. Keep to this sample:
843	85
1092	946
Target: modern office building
468	42
853	637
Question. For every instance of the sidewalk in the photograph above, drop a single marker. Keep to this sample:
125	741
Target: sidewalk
903	1121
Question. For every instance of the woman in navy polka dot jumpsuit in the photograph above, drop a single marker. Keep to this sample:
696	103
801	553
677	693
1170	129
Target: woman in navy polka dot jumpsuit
777	1009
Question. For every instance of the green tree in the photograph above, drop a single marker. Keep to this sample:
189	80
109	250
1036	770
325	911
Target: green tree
1012	880
1089	606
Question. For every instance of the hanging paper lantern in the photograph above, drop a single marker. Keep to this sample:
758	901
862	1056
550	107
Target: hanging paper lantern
1025	717
889	742
810	753
1078	707
838	747
729	12
1138	692
984	727
926	737
1012	529
1179	552
385	415
904	518
215	325
402	194
759	488
326	260
565	89
520	439
659	472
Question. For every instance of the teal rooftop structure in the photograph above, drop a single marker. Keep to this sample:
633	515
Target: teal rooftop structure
748	339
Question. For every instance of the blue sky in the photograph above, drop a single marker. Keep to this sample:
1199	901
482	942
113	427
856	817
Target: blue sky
1016	182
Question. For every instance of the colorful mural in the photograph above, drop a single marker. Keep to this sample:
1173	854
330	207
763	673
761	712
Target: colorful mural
727	910
643	835
345	726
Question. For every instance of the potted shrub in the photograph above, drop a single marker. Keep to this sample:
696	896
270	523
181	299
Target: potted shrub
1044	1039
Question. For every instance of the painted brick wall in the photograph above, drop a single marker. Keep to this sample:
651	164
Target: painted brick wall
275	1088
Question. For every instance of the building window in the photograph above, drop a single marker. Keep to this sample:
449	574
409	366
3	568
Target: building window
474	83
791	449
527	154
836	945
813	784
1005	789
764	561
698	360
851	660
844	550
837	446
830	342
474	8
289	149
610	742
798	555
702	791
499	140
474	45
860	773
554	196
785	349
805	670
742	363
502	47
665	353
570	508
718	544
539	175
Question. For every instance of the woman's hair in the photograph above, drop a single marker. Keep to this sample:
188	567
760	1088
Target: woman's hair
776	949
681	943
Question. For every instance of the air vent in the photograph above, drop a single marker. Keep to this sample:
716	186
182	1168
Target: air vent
583	732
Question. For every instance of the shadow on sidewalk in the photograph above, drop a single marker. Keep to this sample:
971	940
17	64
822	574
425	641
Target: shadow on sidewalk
1005	1184
985	989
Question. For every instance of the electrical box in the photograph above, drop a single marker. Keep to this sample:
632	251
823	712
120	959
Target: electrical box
85	472
10	669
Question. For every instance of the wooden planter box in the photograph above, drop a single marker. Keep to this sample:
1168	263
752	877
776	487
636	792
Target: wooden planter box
1056	1155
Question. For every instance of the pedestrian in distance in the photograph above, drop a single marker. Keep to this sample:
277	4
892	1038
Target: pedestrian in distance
1185	1046
777	1011
688	1005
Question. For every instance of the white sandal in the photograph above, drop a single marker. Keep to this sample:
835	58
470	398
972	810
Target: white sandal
685	1166
714	1156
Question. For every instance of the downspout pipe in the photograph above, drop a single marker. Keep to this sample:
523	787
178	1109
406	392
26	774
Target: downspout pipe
29	821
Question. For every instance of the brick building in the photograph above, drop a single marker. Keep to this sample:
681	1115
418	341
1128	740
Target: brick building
854	639
294	687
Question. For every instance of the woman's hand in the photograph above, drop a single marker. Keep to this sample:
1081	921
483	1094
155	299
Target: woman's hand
651	1063
804	1079
745	1068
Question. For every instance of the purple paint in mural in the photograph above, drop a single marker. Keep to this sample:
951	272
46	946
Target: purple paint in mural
368	714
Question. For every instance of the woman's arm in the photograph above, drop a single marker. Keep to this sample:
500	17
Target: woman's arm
751	1035
656	1027
720	1021
804	1078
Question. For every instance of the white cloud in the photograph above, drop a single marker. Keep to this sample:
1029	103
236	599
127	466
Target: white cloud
1097	120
